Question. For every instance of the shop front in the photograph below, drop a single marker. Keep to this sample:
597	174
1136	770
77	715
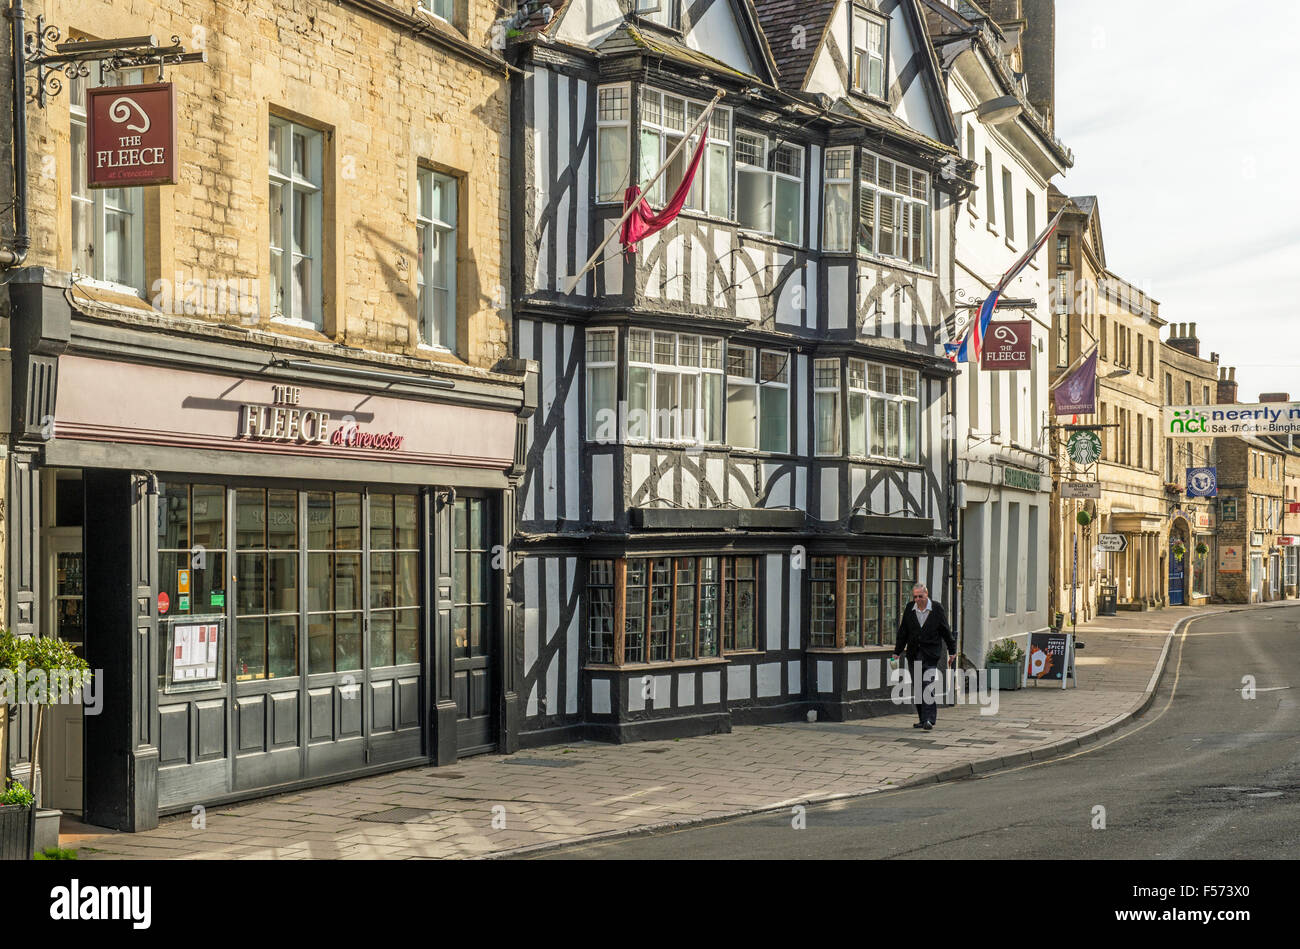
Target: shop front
281	565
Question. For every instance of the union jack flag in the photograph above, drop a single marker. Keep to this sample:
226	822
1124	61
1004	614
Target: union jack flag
969	349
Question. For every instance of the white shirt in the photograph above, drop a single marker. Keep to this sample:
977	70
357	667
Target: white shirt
922	614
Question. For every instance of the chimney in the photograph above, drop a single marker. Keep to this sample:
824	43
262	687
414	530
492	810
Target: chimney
1182	337
1275	397
1226	393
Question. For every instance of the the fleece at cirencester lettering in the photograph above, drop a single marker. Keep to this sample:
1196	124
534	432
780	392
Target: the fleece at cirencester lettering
284	421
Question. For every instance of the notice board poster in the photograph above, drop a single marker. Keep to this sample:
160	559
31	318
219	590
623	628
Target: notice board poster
195	651
1049	658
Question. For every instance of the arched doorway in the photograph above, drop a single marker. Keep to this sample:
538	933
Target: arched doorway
1180	562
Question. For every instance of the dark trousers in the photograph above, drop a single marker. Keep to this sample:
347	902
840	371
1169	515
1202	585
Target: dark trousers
925	684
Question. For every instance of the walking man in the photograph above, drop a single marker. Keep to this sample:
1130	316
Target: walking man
922	632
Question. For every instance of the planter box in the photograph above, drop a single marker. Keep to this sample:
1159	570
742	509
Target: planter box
47	828
1009	674
13	833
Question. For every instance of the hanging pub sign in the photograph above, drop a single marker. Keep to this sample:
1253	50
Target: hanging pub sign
132	133
1006	346
1202	483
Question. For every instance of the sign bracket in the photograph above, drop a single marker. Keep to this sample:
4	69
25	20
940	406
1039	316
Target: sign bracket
53	60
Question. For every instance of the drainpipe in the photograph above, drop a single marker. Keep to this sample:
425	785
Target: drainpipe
14	257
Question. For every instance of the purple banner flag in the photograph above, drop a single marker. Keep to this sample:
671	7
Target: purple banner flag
1076	393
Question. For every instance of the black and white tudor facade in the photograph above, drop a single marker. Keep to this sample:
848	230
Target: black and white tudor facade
738	465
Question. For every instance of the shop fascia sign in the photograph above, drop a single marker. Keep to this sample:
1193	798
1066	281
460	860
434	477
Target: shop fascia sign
284	421
1020	478
1227	421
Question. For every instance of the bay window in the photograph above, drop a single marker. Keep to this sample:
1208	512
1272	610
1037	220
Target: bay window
758	399
893	395
769	187
602	385
826	403
868	54
613	144
674	386
893	211
665	120
873	590
676	608
837	228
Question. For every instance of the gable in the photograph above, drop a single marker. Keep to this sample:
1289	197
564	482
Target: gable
915	89
723	30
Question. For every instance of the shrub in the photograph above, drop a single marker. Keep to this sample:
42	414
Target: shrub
1004	652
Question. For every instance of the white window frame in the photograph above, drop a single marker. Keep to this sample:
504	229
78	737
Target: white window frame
759	170
654	124
603	124
797	154
824	389
594	366
838	240
311	193
100	205
666	13
912	213
444	10
856	384
437	330
863	55
748	381
774	386
770	152
669	357
878	384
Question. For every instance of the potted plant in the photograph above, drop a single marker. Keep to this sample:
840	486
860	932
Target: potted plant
52	672
1006	659
1180	549
1202	549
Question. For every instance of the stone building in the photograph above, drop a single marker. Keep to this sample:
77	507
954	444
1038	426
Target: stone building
1094	308
1188	379
265	419
1003	465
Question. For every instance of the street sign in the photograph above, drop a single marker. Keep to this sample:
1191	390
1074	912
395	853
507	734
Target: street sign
1084	448
1112	543
1080	490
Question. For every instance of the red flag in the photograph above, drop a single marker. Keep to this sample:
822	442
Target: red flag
644	220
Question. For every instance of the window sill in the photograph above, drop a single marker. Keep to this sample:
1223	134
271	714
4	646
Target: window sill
848	650
112	286
758	237
896	263
430	348
650	666
296	324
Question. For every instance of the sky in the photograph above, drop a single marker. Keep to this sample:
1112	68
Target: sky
1183	120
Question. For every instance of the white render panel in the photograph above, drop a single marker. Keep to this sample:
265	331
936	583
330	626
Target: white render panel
552	597
825	675
602	487
722	251
830	494
699	270
685	689
690	489
663	691
854	667
775	567
813	214
561	224
531	610
717	34
553	686
769	680
778	490
674	274
810	294
571	644
716	471
600	696
636	694
711	688
532	701
794	673
837	295
654	272
874	673
857	483
542	178
548	401
640	470
789	304
801	487
795	623
582	242
613	265
572	429
526	352
737	682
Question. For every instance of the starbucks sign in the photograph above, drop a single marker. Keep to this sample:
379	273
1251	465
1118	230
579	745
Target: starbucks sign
1084	448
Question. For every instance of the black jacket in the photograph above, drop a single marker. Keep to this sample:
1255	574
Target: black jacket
924	641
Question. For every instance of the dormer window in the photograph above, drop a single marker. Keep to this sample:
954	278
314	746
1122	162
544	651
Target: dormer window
664	12
442	9
868	54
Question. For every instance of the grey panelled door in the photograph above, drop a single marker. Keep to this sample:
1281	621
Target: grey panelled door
474	625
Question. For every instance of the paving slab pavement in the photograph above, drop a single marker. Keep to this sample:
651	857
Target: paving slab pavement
543	797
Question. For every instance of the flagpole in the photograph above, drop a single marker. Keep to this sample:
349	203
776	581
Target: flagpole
591	261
